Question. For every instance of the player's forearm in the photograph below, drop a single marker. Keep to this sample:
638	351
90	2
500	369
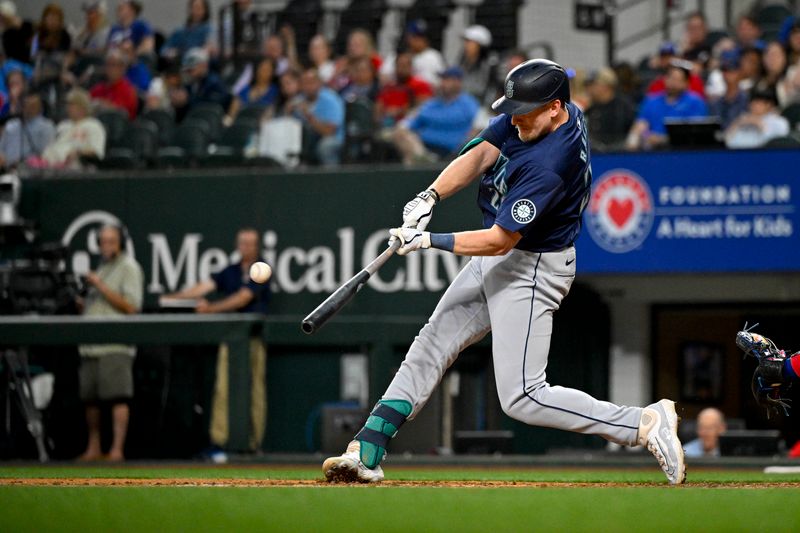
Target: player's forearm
463	170
485	242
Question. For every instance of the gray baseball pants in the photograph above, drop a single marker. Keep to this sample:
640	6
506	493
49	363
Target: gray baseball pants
514	296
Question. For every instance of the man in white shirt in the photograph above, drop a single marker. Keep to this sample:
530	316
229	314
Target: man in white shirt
760	124
427	62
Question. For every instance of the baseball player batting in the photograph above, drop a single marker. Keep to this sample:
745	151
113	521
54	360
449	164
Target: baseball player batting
535	173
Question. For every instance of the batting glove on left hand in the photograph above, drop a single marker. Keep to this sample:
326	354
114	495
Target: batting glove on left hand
410	239
418	211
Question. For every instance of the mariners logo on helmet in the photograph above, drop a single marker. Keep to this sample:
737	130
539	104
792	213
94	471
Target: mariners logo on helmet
510	89
523	211
620	212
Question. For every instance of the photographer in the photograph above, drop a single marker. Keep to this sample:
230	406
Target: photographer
106	373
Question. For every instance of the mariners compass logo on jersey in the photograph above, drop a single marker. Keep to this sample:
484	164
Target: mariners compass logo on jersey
620	212
523	211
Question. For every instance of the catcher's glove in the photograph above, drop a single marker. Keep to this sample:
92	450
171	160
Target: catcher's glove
768	382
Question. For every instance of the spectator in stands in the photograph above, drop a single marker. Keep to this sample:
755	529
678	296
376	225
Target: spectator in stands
793	42
715	82
734	101
696	46
26	136
158	93
441	125
137	72
363	83
748	33
92	39
427	62
17	33
130	27
319	55
775	67
322	112
275	49
710	425
80	135
203	85
752	67
50	46
666	55
197	33
290	95
760	124
609	116
401	95
106	372
628	81
676	101
262	91
478	63
116	91
239	294
16	87
578	94
359	46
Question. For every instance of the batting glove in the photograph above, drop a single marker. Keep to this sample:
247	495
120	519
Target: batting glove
417	213
410	239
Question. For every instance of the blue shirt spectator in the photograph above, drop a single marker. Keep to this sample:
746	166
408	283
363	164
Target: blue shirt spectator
248	96
197	33
139	75
233	278
130	27
10	65
444	121
649	130
322	112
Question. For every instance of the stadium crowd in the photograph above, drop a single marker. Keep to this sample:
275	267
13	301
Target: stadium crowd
115	93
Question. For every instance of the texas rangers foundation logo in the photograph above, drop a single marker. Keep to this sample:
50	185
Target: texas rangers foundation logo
510	89
523	211
620	212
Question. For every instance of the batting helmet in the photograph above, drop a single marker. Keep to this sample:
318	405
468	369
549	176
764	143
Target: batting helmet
532	84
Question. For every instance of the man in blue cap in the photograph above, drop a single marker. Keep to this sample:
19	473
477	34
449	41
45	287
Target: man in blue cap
427	62
442	124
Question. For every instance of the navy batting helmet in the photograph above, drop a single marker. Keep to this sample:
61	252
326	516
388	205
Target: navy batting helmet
532	84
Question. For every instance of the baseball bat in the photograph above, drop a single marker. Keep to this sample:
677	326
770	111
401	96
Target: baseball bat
341	296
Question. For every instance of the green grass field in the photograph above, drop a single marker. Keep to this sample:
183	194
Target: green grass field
711	501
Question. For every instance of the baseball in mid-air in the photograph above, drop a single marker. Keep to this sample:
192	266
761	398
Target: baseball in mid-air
260	272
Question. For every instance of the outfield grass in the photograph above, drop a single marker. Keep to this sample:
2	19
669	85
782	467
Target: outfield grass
376	508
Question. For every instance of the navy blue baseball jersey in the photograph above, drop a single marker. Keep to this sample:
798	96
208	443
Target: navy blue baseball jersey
537	188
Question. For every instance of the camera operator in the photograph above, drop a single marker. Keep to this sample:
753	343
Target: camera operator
106	373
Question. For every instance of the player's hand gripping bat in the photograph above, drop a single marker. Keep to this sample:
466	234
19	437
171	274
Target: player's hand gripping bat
341	296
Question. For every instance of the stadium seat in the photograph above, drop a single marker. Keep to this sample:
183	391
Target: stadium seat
211	114
783	142
116	123
792	114
165	123
119	157
142	138
237	136
359	127
190	146
252	112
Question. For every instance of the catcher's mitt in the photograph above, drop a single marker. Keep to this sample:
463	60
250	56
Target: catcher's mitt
768	382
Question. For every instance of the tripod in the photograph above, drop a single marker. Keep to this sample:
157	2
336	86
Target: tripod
18	378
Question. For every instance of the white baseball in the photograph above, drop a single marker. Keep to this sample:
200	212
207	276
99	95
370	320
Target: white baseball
260	272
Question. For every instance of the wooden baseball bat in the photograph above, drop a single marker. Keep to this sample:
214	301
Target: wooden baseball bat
341	296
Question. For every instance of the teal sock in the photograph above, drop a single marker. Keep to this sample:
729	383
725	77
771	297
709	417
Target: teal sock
385	419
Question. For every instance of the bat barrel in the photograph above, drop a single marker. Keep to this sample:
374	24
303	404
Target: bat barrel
333	303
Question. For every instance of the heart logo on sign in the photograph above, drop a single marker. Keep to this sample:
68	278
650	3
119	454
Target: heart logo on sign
620	211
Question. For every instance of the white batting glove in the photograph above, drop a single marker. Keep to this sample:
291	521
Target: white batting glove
410	239
417	213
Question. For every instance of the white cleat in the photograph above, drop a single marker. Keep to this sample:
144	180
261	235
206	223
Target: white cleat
658	431
348	468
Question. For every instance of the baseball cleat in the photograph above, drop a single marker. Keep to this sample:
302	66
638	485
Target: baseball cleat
658	431
348	468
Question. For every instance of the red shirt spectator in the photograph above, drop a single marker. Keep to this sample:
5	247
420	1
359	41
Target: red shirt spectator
116	91
395	99
696	85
